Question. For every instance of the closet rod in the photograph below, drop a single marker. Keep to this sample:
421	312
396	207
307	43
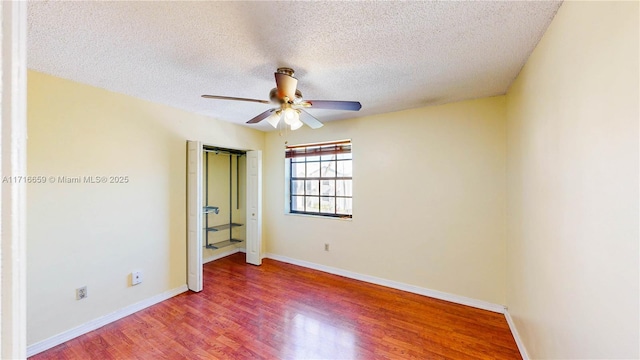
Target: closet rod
222	152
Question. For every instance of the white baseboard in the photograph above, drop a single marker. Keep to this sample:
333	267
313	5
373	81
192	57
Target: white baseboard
101	321
484	305
516	336
221	255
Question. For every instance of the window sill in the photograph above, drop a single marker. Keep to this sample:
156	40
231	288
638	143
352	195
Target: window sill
319	217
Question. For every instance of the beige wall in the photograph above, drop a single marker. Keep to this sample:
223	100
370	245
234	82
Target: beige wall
429	199
573	186
96	234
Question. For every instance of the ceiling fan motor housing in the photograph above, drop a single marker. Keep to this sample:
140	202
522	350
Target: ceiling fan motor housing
273	96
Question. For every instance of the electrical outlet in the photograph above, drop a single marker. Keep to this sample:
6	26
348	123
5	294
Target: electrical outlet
136	277
326	247
81	293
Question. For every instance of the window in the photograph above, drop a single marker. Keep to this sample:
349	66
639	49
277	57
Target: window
320	179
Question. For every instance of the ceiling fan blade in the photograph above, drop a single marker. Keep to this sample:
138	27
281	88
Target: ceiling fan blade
310	120
261	117
333	105
286	86
235	98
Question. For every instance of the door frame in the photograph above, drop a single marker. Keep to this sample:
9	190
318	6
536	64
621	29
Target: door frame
253	242
13	145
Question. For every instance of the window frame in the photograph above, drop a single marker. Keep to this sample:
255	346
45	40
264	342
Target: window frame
297	154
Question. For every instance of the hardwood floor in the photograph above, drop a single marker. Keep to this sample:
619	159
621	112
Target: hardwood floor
283	311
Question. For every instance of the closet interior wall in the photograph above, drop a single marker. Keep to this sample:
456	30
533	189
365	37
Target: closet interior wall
224	187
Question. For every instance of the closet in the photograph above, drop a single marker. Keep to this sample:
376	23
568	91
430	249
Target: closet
224	191
224	206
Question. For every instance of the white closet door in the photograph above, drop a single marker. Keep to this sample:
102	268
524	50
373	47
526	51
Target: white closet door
254	207
194	215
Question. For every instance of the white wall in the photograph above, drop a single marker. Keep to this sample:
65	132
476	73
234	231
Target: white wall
429	199
96	234
573	187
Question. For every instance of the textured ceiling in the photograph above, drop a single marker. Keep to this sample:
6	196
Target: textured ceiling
387	55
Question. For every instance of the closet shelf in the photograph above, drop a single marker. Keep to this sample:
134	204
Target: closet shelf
222	244
223	227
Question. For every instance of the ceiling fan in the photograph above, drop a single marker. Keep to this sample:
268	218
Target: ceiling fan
290	102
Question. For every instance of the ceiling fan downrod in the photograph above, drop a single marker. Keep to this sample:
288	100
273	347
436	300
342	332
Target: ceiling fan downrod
285	71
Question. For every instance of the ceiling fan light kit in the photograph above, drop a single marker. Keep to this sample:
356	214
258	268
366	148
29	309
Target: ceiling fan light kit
296	123
291	104
274	118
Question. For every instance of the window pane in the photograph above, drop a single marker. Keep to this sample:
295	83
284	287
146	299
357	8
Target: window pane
344	206
328	187
297	187
313	203
297	169
343	187
344	168
312	187
328	169
328	205
320	183
297	203
313	169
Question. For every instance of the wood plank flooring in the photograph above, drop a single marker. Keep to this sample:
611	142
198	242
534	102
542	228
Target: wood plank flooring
283	311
